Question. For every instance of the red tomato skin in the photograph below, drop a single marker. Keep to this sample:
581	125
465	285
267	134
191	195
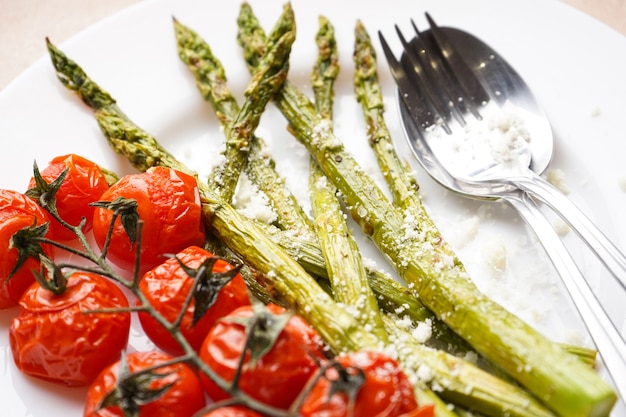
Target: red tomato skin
183	399
167	286
279	376
16	212
169	205
53	339
231	412
422	411
386	392
83	184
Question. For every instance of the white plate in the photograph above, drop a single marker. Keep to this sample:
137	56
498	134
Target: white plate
574	64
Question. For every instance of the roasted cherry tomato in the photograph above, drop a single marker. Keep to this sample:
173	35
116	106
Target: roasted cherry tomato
169	206
84	183
278	376
168	285
182	399
54	337
383	390
16	212
233	411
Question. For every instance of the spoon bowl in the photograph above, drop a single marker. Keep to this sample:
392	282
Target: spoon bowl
507	100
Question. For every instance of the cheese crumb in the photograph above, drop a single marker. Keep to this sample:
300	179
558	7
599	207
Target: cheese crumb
556	177
423	331
561	227
596	111
251	202
425	373
495	254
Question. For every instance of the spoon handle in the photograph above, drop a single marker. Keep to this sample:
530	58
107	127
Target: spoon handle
605	250
607	339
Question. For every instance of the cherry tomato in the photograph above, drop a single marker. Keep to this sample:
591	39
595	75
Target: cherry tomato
182	399
385	391
84	183
16	212
169	205
168	285
234	411
54	337
277	377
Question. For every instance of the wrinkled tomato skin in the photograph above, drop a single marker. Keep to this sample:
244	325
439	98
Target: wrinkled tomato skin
182	399
167	286
231	412
83	184
386	392
16	212
169	205
279	376
53	338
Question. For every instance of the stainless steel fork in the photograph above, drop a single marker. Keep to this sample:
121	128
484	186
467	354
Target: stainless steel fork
438	90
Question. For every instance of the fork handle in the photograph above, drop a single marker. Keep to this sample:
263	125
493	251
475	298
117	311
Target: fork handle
607	339
604	249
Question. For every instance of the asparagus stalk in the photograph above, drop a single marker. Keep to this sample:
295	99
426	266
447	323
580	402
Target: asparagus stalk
467	385
298	238
557	378
346	271
392	296
211	81
397	174
240	130
290	216
282	277
235	150
325	69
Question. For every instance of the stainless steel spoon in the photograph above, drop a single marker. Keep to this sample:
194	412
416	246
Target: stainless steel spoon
447	77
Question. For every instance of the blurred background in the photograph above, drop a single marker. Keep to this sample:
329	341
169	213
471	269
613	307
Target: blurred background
24	24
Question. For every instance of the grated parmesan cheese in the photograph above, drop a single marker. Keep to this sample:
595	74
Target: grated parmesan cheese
561	227
425	373
251	202
495	254
423	332
556	177
500	141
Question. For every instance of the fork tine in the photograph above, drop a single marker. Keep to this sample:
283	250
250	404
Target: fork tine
446	83
414	100
422	73
467	80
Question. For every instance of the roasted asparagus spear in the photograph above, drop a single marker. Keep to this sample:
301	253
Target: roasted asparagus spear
344	263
